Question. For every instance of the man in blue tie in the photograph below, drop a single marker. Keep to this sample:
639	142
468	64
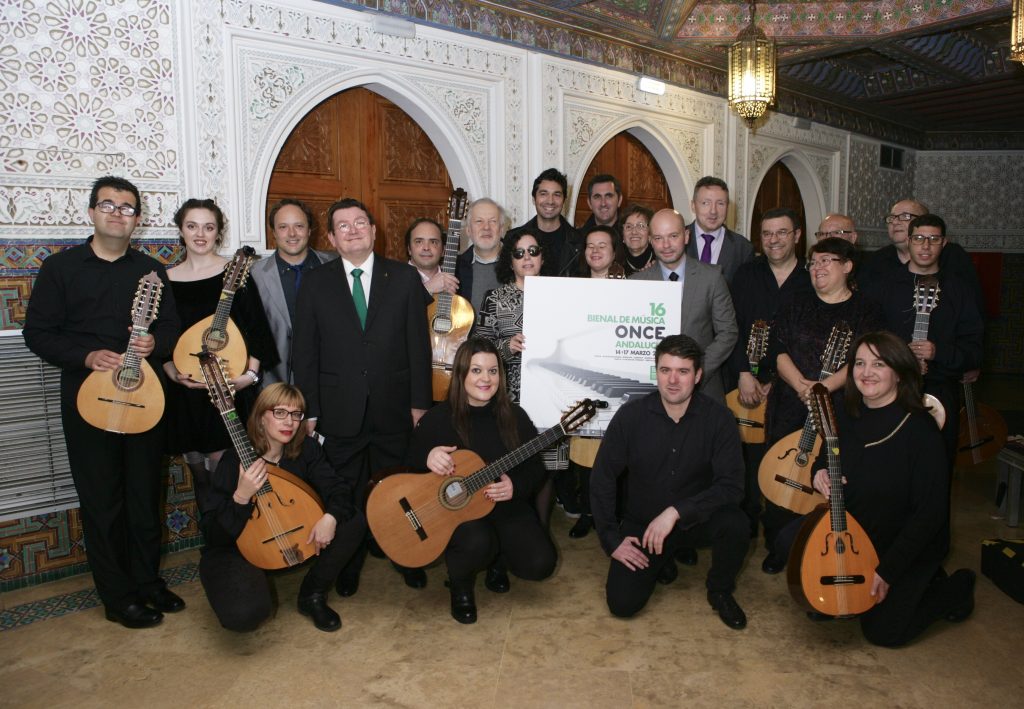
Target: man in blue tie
710	240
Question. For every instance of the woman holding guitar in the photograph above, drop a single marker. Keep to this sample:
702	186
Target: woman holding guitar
193	424
893	483
237	590
479	416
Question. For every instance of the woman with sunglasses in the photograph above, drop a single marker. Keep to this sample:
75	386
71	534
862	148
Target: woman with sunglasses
239	592
798	340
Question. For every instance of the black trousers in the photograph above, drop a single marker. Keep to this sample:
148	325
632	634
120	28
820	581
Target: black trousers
914	602
119	484
240	593
727	532
752	454
515	532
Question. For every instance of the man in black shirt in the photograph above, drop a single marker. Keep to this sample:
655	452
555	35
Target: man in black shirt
79	319
561	242
680	446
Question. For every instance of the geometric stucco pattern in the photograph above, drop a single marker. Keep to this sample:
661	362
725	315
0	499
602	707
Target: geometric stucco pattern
873	189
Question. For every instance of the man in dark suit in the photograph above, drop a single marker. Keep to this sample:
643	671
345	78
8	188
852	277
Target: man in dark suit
279	276
710	241
361	357
604	197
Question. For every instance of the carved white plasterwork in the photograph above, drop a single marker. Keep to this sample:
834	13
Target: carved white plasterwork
688	143
467	109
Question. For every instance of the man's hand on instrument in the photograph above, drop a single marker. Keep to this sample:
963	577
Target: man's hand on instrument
970	376
879	588
517	343
630	555
500	491
250	480
751	391
323	532
440	461
144	345
822	484
659	528
441	282
102	360
923	349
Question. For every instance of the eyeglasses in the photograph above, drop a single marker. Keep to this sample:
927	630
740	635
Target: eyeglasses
636	226
108	207
834	233
357	225
901	217
781	233
519	253
933	239
821	262
282	414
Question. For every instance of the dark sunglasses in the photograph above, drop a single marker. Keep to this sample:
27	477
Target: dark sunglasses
519	253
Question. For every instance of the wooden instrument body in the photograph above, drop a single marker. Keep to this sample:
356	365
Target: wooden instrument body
785	474
123	400
413	515
286	510
446	335
831	572
750	421
583	450
228	345
982	432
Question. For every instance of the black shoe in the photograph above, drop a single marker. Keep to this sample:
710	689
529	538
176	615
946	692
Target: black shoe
315	606
668	573
772	564
374	548
728	609
686	555
463	606
414	578
347	586
164	601
496	579
135	616
582	527
963	580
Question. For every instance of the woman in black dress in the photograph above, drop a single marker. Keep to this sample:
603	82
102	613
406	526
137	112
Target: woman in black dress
479	416
194	428
894	484
239	592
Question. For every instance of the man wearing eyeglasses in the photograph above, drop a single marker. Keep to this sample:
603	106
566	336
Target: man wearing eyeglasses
361	357
710	240
561	242
79	319
837	226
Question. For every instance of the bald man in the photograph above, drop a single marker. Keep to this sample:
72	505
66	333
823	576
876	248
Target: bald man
837	225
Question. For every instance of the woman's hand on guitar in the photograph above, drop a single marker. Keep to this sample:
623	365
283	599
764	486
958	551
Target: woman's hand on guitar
102	360
659	528
440	461
822	484
250	480
630	555
752	392
322	533
242	382
879	588
500	491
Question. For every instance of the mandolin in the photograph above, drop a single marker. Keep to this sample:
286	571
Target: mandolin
785	471
286	506
218	332
982	431
449	317
751	421
832	562
129	399
413	515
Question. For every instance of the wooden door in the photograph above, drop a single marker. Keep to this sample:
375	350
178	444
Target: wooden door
358	144
637	171
778	189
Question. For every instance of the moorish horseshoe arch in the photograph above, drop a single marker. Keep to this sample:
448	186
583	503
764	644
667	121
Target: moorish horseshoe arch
812	192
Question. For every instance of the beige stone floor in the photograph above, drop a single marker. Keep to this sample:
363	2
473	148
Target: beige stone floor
543	644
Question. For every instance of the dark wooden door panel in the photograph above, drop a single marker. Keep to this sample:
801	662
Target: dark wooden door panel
636	169
778	189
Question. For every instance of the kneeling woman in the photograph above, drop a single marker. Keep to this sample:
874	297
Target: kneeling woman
238	591
479	416
894	485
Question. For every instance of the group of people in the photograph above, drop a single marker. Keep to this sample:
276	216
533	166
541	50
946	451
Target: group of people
337	386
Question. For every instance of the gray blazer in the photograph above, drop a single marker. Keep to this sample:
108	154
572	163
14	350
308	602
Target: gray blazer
736	251
268	281
708	317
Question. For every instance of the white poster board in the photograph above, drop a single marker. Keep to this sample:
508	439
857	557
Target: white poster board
592	338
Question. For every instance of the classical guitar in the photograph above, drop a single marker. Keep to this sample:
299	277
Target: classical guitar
926	299
218	332
785	471
832	562
751	421
982	431
128	399
286	507
413	515
449	317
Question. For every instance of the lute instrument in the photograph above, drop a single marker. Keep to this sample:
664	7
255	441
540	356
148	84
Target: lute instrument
286	506
130	398
218	333
751	420
785	471
449	317
413	515
982	431
832	562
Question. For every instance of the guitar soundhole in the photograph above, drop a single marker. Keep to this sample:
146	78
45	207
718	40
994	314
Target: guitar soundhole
454	494
128	378
215	340
442	325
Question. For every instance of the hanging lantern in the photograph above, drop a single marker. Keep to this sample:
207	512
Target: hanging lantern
752	72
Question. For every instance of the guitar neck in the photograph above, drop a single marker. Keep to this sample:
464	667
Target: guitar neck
837	506
240	440
921	321
489	473
451	254
223	312
131	359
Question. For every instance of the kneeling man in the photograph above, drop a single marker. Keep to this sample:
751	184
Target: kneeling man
682	449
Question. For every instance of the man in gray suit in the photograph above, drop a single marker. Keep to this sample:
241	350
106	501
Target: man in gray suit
708	315
279	276
711	241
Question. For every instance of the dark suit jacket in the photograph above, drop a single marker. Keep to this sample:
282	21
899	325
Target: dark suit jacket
736	251
708	317
346	373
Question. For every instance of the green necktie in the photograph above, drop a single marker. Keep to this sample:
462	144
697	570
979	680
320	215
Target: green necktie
359	296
